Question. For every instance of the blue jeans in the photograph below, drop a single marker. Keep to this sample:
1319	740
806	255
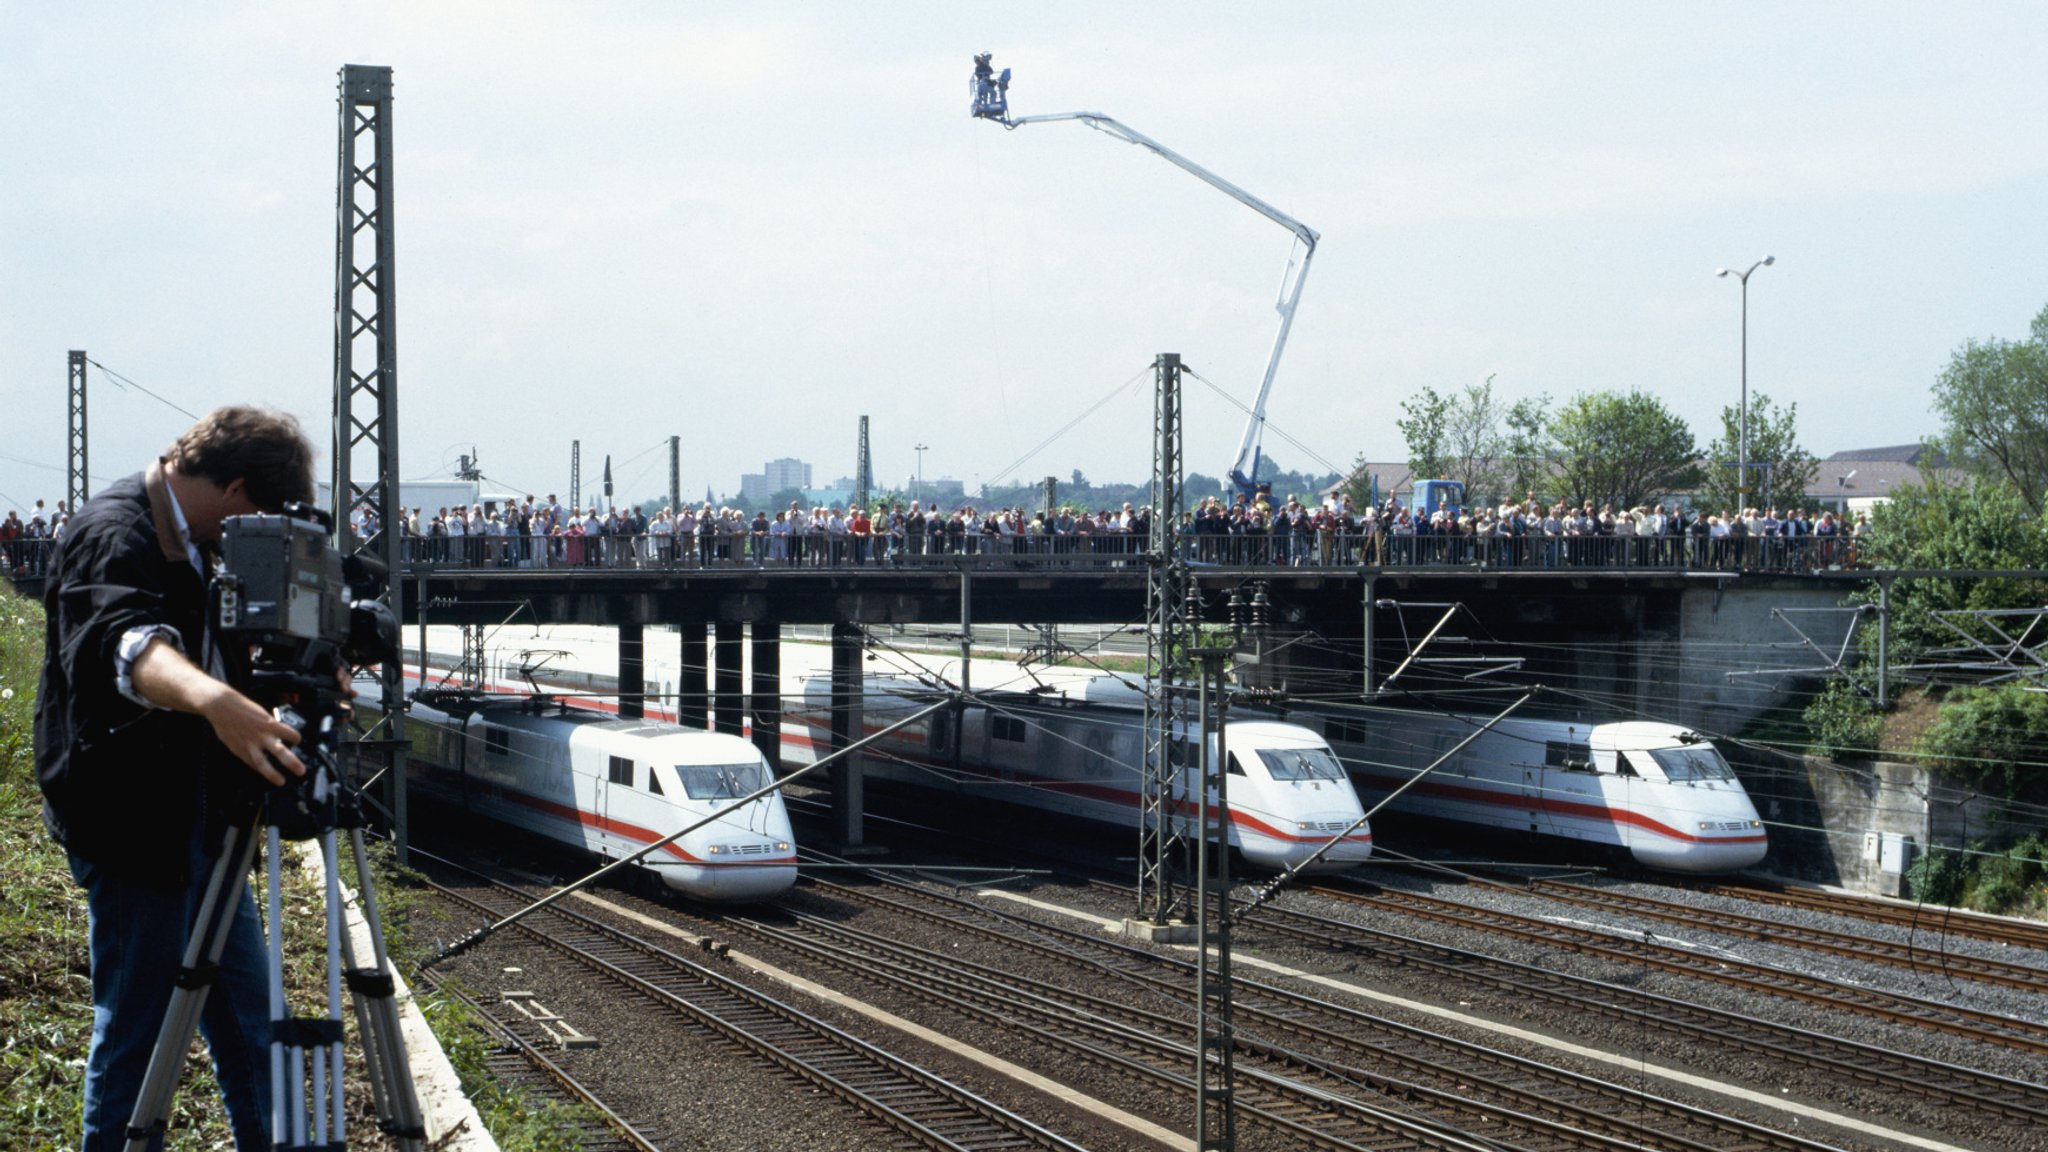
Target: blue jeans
138	937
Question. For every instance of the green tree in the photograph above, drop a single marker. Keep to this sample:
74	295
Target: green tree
1621	449
1979	524
1781	470
1494	448
1525	449
1423	428
1993	401
1472	437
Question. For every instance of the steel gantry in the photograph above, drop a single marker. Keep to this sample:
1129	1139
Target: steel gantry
366	372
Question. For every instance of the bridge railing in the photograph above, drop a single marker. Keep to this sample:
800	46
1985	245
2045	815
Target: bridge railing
1122	550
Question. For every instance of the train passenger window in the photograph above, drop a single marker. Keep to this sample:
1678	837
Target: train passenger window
497	742
1337	729
1569	756
1301	764
721	781
622	771
1006	728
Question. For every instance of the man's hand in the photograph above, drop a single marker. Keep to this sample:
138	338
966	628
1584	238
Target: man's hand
166	678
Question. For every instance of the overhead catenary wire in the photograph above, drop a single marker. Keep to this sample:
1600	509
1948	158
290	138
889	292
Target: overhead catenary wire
120	381
1069	426
1266	423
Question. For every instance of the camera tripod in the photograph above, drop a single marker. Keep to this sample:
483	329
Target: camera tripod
305	1051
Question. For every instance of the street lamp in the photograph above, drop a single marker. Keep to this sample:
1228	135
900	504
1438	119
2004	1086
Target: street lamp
919	449
1742	443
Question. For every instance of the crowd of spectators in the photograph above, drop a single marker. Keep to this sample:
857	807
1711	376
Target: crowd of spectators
1336	531
537	533
25	543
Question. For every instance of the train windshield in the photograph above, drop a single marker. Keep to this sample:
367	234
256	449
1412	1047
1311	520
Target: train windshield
1301	764
721	781
1692	762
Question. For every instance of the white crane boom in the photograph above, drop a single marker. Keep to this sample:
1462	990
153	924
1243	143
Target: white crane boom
991	102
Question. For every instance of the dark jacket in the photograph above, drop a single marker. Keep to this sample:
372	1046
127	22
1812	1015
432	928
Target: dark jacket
123	785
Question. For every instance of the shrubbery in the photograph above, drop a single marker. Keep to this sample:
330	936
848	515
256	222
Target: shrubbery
1991	739
2013	882
1841	723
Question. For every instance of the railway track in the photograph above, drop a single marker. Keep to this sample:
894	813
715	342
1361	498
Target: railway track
920	1106
1935	920
1634	1010
1300	1060
1640	949
1912	956
1631	1010
518	1061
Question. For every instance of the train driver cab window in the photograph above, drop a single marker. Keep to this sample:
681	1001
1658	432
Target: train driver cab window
654	780
622	771
1289	764
1233	767
721	781
1690	762
1006	728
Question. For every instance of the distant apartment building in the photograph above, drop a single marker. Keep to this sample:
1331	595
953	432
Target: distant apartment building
775	476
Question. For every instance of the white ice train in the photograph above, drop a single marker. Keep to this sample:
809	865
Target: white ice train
1659	792
1079	755
611	787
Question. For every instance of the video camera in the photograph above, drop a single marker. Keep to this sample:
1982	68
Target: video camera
299	602
303	613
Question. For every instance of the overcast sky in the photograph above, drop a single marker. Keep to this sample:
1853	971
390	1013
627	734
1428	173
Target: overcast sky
750	224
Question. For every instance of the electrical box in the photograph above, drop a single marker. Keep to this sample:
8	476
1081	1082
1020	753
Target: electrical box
1895	853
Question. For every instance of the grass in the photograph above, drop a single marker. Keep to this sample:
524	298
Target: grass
45	994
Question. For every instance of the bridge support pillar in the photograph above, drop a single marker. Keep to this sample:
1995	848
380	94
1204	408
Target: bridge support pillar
765	693
693	679
729	701
632	671
849	801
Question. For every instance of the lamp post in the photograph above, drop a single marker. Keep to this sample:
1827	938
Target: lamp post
1742	433
919	449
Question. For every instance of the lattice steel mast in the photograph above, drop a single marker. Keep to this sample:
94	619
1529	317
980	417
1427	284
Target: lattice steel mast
1168	638
77	481
366	369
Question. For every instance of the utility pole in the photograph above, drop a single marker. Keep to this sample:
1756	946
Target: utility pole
1215	1066
675	473
366	371
77	479
576	477
1052	497
863	469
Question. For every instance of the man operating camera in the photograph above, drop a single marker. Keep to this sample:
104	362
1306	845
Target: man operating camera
143	747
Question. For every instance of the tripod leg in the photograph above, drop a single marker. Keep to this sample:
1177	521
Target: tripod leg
209	936
374	995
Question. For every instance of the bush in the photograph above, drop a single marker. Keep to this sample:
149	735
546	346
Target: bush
1991	739
2014	882
1938	876
1841	723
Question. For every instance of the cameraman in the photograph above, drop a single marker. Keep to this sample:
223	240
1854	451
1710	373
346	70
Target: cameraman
143	749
